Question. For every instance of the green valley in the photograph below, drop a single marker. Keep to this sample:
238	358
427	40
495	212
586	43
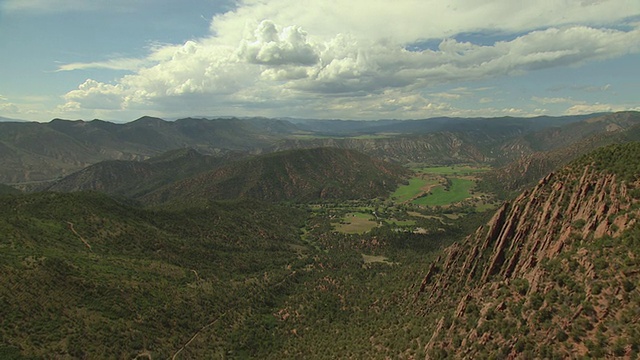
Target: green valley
362	248
456	191
446	186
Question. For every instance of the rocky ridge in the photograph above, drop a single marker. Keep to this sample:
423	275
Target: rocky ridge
537	274
532	166
442	147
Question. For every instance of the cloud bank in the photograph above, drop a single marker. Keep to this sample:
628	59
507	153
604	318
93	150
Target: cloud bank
359	58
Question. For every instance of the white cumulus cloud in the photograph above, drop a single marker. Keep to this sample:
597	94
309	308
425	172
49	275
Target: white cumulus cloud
270	45
343	53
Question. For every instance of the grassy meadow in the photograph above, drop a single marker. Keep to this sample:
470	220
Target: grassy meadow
442	186
439	196
416	186
356	223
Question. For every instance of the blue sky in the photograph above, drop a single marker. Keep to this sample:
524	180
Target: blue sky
357	59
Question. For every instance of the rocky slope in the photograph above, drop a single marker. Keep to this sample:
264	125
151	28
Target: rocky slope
553	274
532	166
436	148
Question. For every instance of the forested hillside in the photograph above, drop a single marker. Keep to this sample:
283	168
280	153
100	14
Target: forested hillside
295	175
133	179
85	276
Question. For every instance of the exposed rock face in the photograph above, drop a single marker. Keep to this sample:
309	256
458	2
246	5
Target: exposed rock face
537	249
536	225
441	147
555	148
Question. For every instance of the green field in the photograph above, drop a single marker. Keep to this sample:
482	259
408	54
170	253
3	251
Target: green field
375	136
401	222
356	223
459	191
369	259
485	207
429	175
450	170
413	189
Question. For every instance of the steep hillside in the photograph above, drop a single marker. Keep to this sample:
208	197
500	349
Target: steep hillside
557	137
296	175
136	178
554	274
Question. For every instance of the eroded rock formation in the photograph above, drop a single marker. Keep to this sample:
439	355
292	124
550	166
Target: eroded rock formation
535	266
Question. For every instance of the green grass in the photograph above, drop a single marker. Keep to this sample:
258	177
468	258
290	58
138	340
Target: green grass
402	222
450	170
459	191
360	215
357	223
312	137
369	259
413	189
375	136
485	207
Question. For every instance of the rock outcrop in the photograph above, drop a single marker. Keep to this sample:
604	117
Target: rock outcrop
527	276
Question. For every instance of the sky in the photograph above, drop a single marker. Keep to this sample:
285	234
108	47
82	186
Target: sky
119	60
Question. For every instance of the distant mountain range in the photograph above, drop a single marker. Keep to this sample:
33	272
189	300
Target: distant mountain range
421	126
328	168
45	151
6	119
37	152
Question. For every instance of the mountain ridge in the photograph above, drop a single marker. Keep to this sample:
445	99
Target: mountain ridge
533	166
133	179
514	295
74	144
292	175
45	151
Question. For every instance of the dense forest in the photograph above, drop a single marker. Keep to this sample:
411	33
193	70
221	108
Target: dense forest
90	275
